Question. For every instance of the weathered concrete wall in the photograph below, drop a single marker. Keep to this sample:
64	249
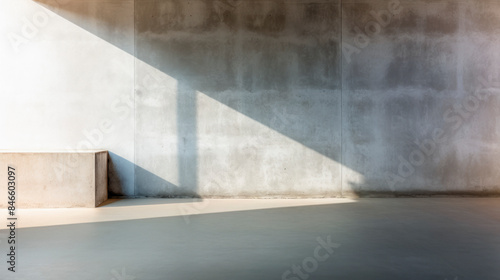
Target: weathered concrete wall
250	100
262	97
420	98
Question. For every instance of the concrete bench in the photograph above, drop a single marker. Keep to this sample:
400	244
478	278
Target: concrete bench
55	179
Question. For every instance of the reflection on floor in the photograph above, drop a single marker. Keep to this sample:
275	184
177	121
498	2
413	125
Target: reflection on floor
404	238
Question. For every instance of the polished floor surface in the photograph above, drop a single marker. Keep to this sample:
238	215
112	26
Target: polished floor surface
390	238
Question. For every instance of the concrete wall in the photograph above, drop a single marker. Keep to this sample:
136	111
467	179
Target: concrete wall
259	98
250	103
420	98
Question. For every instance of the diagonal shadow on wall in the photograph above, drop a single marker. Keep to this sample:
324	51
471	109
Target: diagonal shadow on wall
276	63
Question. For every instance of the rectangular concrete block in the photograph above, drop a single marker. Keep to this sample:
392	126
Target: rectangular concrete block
55	179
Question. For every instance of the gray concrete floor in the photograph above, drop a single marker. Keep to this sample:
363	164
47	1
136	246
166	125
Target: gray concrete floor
403	238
